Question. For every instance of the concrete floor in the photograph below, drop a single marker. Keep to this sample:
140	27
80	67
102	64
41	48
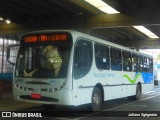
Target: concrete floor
7	103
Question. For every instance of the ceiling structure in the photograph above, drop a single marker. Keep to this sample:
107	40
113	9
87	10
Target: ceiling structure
29	15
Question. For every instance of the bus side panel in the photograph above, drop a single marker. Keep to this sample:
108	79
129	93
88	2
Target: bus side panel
84	95
82	89
148	82
129	81
128	90
67	97
146	87
114	83
110	92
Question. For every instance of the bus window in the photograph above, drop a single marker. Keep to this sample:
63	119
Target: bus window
82	58
140	63
146	64
42	62
102	57
150	65
116	61
134	63
127	63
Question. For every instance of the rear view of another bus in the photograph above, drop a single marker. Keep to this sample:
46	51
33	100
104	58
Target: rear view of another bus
41	71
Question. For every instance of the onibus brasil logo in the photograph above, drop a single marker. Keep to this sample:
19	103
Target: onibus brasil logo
17	114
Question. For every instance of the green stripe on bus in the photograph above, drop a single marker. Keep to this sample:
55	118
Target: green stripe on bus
135	78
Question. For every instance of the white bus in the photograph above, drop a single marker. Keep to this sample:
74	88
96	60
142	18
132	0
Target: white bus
71	68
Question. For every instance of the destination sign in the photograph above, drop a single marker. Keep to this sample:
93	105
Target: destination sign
45	38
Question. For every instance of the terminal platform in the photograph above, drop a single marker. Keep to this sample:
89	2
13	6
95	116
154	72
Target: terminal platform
7	103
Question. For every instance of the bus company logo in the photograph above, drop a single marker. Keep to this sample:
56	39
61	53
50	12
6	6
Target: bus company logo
6	114
16	114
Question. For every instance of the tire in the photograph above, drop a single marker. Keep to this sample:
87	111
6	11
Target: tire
138	94
96	100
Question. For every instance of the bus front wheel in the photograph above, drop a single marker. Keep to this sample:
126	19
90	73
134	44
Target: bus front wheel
96	99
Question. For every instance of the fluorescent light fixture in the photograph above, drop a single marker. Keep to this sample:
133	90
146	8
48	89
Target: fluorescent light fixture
102	6
146	31
1	18
8	21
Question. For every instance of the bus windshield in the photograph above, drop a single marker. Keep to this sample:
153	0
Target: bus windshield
44	61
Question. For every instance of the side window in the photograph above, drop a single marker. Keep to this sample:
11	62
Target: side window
134	63
116	61
146	64
127	62
151	65
83	56
102	57
140	63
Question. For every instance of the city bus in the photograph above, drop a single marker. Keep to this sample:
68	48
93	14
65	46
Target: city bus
65	67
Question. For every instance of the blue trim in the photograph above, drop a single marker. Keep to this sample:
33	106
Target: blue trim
147	77
6	76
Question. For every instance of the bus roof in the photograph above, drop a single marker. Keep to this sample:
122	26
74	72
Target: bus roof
99	40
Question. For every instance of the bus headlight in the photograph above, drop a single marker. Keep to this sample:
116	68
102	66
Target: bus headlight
50	90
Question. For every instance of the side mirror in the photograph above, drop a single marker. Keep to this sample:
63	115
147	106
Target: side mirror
12	53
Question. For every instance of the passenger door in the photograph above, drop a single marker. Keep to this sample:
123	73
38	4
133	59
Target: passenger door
83	56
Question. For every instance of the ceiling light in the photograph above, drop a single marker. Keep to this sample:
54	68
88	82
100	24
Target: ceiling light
1	18
8	21
102	6
146	31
